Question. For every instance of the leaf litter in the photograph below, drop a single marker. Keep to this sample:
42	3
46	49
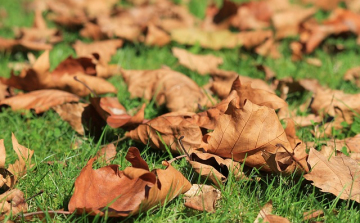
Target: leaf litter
218	138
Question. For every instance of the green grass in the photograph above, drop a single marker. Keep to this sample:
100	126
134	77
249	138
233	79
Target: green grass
53	139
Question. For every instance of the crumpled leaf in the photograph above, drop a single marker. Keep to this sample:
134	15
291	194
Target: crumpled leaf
339	175
243	132
127	192
202	197
177	91
38	37
214	168
289	162
337	104
105	49
203	64
223	81
39	77
115	114
72	113
257	96
12	202
9	176
287	22
40	100
167	129
340	21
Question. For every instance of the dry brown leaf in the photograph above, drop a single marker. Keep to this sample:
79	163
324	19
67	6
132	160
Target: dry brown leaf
72	113
105	49
202	197
39	101
12	202
287	162
253	15
257	96
125	192
269	48
338	175
177	91
266	216
106	154
337	104
353	74
115	114
38	37
219	39
324	4
243	132
340	21
223	80
203	64
351	144
156	36
39	77
312	214
287	22
314	61
92	31
167	129
9	176
308	120
214	168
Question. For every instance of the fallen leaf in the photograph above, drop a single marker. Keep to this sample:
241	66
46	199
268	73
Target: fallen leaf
253	15
265	210
40	101
38	77
12	202
287	22
156	36
314	61
127	192
340	21
165	130
214	168
105	49
337	104
92	31
313	214
353	74
266	216
106	154
9	176
115	114
223	80
269	48
203	64
338	175
219	39
243	132
38	37
324	4
72	113
308	120
202	197
257	96
177	91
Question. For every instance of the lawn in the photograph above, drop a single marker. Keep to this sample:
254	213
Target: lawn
53	139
